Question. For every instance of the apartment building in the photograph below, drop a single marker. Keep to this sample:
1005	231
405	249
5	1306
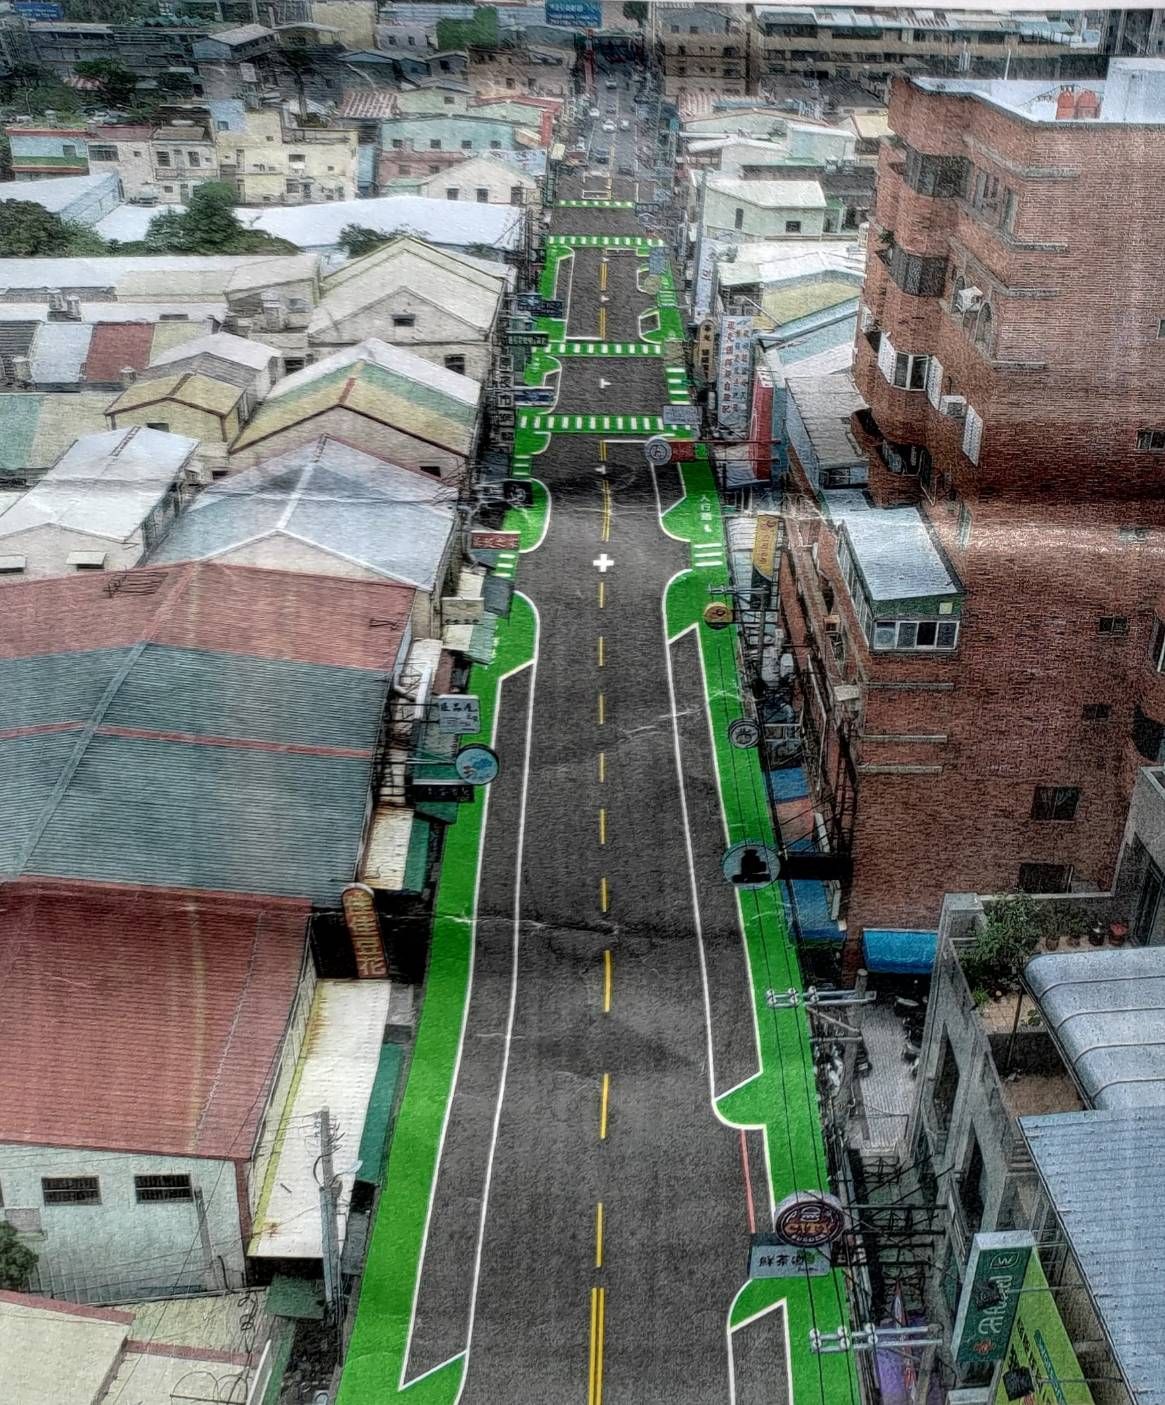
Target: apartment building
977	618
271	162
702	50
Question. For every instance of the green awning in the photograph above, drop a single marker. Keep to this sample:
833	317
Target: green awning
443	811
481	640
377	1122
300	1298
417	862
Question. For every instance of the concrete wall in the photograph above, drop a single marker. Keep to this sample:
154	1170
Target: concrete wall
120	1249
418	133
496	179
47	549
759	223
132	162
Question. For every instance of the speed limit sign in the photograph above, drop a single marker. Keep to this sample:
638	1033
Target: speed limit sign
657	450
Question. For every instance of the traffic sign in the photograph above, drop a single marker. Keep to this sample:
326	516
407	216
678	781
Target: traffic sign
534	395
657	450
657	259
476	764
717	615
751	864
744	733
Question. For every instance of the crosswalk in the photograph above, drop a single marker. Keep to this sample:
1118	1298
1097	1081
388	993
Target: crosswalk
603	241
520	466
595	204
579	346
708	556
590	424
506	564
677	385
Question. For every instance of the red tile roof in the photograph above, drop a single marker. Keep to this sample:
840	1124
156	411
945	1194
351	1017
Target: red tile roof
142	1020
115	345
211	605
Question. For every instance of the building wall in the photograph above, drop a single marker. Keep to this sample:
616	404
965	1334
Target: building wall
392	445
180	419
120	1249
418	134
355	19
180	163
758	222
47	549
43	152
500	183
132	160
435	336
262	159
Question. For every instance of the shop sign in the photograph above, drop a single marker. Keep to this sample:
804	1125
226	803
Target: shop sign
1039	1353
458	712
462	609
995	1271
495	541
734	373
764	545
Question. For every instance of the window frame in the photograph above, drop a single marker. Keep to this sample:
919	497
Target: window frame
69	1190
403	319
166	1194
1049	802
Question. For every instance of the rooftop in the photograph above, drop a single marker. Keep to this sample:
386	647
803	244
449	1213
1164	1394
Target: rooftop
168	1045
825	404
332	499
1104	1171
199	392
1105	1010
769	195
58	1353
896	556
173	277
57	193
1132	93
459	223
225	345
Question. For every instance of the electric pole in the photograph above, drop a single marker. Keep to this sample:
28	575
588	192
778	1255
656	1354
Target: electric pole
330	1230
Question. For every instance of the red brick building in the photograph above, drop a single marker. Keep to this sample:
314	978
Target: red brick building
978	636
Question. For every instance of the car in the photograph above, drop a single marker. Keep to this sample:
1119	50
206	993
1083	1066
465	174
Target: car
601	155
626	170
611	85
624	125
608	126
594	112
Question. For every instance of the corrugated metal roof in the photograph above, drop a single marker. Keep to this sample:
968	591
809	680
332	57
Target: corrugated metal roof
58	352
116	345
206	605
1105	1175
455	222
896	555
255	355
1106	1012
168	1043
351	505
195	389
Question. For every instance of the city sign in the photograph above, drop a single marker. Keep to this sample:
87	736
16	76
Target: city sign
575	14
1039	1354
744	733
458	712
658	450
39	9
476	765
494	541
750	864
527	338
533	395
809	1220
987	1303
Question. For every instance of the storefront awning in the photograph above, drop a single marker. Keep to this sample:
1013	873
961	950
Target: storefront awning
899	953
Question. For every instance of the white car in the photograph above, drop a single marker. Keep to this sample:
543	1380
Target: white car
608	126
625	125
594	112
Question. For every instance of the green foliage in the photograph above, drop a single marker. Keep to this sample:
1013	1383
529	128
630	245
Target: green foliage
29	231
17	1261
357	240
1013	930
116	83
5	158
481	32
110	11
208	225
636	10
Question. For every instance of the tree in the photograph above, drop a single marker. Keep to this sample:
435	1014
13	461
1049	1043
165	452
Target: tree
29	231
357	240
208	225
17	1261
116	83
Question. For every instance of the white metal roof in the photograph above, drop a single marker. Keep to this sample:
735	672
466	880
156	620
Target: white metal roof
212	273
58	1353
398	359
454	222
771	195
222	344
337	1070
58	192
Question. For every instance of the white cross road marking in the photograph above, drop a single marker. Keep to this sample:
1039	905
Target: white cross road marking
603	562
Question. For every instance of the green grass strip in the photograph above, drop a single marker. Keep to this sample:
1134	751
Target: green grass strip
376	1352
782	1097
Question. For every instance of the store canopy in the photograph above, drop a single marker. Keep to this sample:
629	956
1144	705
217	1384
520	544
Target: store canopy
899	953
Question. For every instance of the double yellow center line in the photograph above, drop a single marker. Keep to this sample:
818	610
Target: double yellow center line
598	1326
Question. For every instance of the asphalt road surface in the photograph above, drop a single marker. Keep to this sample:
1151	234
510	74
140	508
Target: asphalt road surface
617	1206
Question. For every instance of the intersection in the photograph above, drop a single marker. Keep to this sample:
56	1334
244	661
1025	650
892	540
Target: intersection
608	1139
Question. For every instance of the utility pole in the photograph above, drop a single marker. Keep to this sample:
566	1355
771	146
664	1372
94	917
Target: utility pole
209	1273
330	1237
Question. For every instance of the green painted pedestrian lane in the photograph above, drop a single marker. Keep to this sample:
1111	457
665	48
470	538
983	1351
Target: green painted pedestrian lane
595	204
590	424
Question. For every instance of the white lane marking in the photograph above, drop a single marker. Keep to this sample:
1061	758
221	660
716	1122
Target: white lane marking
530	663
509	1035
763	1312
546	520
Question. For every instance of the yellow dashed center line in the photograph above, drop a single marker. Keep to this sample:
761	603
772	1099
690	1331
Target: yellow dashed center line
602	767
603	1100
608	980
598	1323
602	652
602	825
604	895
602	709
602	324
602	595
599	1235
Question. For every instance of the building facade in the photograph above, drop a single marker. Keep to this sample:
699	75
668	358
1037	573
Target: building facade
986	736
270	162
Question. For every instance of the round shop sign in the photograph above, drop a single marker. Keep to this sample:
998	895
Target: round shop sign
744	733
809	1220
657	450
751	864
717	615
476	765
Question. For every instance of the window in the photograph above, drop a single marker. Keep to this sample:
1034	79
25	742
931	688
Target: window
963	530
516	195
983	328
495	146
972	434
174	317
467	145
738	219
68	150
908	372
792	226
193	158
1044	878
1008	220
452	192
1113	626
971	1186
431	468
435	144
1161	329
1055	802
102	153
945	1084
163	158
482	196
168	189
1133	534
218	126
397	144
934	175
455	363
404	319
1157	647
1151	439
292	187
70	1190
163	425
915	634
1096	712
934	381
920	275
149	1189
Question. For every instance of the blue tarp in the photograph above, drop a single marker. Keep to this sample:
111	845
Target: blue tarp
788	783
899	953
811	911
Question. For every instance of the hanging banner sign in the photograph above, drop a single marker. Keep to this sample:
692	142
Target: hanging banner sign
995	1271
764	545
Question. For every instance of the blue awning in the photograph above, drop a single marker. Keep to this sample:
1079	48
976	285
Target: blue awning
814	922
899	953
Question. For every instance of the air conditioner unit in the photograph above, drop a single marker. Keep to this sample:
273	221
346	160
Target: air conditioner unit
954	405
833	624
968	299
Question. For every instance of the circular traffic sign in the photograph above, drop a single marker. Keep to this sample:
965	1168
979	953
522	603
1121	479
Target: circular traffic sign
744	733
751	864
657	450
476	764
718	614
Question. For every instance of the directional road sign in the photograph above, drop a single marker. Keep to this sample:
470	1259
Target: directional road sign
533	395
657	450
